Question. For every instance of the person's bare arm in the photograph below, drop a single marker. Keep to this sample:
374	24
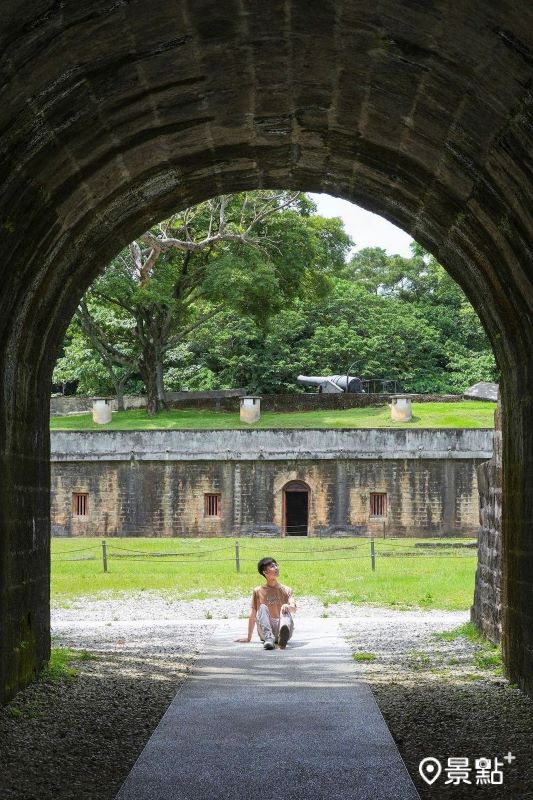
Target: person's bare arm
290	606
287	608
251	626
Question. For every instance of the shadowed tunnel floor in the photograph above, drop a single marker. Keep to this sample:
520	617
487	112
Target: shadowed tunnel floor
250	723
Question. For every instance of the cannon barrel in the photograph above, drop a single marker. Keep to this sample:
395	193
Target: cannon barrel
333	383
355	385
311	380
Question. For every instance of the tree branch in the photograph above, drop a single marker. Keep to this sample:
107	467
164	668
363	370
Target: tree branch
113	300
149	264
223	235
136	255
97	338
183	333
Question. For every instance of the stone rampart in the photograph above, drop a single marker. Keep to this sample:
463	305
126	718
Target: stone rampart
77	404
155	483
272	444
228	400
486	610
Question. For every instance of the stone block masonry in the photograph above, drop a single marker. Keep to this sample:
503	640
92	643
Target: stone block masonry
78	404
271	444
229	400
157	483
105	130
486	610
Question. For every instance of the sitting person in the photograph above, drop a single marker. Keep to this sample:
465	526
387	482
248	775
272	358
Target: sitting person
272	608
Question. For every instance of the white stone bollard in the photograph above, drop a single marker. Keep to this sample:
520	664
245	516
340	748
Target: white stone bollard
400	409
101	410
250	409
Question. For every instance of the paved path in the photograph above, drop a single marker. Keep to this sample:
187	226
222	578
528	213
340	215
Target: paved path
292	724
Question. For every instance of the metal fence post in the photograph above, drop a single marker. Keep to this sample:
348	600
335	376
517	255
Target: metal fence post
237	558
104	554
373	554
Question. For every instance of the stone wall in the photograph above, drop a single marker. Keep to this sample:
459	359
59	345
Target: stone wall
77	404
315	401
486	610
153	483
228	400
148	498
116	114
277	444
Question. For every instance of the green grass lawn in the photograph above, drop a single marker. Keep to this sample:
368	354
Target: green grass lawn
466	414
333	570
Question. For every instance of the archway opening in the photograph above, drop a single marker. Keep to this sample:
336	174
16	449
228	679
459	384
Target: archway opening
296	509
394	113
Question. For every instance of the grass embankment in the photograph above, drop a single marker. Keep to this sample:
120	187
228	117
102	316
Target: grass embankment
332	570
467	414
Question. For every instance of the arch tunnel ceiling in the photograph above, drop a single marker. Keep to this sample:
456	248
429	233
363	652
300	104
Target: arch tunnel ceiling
114	113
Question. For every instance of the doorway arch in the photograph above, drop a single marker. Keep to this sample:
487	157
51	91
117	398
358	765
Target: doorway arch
115	116
296	497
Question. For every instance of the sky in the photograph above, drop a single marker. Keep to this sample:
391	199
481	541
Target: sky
365	228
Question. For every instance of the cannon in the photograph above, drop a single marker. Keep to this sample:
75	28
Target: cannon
331	384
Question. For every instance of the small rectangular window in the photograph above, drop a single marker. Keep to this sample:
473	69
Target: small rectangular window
378	504
212	505
80	504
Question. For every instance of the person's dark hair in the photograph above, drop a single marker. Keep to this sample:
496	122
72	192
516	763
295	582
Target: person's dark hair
264	563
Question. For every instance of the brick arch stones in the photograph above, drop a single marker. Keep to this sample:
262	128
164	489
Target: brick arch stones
114	113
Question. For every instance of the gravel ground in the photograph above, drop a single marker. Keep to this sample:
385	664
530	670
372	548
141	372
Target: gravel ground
79	737
441	700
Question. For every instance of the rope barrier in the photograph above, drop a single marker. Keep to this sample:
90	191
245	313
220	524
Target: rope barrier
79	550
89	558
385	543
353	551
418	555
143	552
313	560
324	550
175	560
162	560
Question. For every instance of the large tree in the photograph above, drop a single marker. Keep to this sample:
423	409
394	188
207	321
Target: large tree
397	318
251	253
89	365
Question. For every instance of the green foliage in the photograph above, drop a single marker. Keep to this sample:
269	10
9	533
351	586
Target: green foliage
59	666
247	256
398	319
488	659
487	656
255	314
397	581
364	656
80	362
468	630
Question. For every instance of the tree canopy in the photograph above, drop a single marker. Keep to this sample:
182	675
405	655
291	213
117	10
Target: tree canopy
252	253
251	290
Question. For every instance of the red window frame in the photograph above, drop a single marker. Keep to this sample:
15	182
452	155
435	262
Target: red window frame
212	505
378	504
80	504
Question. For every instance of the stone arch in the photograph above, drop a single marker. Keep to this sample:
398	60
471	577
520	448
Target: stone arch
115	114
295	514
305	477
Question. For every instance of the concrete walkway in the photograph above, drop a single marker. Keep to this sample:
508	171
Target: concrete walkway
294	724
